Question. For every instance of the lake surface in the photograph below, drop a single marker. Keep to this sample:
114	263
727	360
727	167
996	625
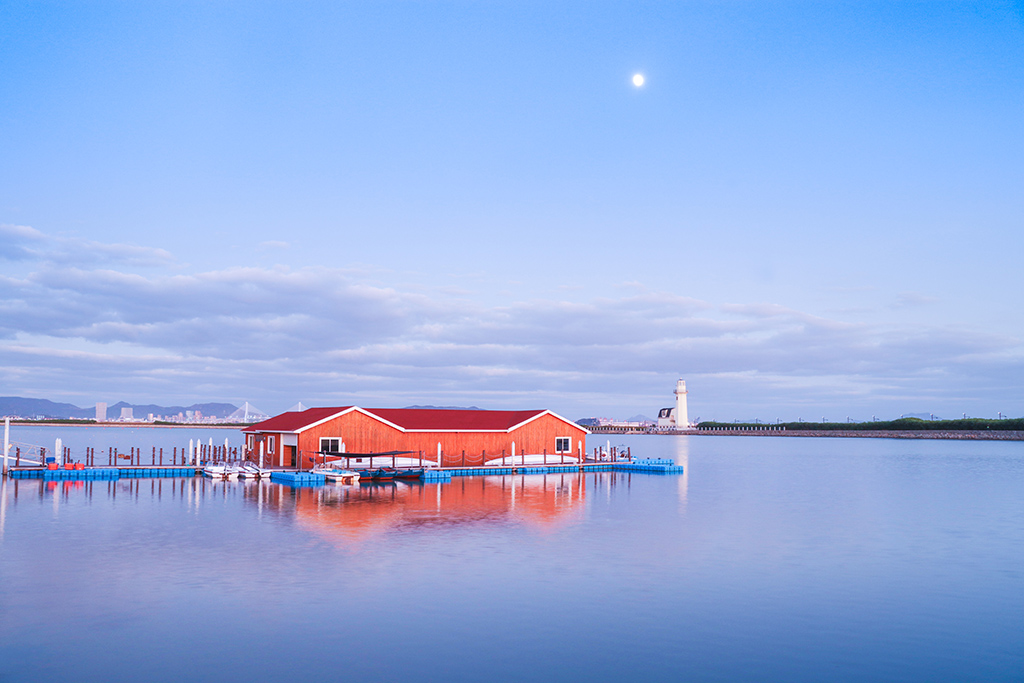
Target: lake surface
770	559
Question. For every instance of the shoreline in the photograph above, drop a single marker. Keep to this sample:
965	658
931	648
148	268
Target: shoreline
122	425
948	434
976	435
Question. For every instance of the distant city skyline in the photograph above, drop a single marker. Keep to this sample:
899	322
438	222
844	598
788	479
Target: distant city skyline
806	210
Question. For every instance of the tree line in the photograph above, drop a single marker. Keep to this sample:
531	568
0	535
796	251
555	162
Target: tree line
902	425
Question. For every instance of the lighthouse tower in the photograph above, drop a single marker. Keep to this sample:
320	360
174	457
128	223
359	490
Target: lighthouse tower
682	417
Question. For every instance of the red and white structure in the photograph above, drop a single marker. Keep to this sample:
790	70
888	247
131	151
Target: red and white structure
450	438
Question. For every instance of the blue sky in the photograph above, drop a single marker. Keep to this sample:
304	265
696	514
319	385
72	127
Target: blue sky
809	209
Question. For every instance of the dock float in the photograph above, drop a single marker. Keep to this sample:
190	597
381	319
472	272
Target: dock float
654	465
298	478
106	473
432	476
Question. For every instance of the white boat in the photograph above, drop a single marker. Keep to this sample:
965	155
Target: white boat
222	472
251	470
337	474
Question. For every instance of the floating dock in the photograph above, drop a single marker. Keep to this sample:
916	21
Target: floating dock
100	473
298	478
292	478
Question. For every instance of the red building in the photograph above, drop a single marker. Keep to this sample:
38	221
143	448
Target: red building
461	437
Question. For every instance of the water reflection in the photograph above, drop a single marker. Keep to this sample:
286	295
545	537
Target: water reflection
682	457
349	514
3	505
64	492
356	513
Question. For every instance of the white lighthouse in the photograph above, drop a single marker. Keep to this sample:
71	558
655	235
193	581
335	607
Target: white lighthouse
676	418
682	417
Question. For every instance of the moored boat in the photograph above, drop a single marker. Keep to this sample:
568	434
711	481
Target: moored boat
222	472
378	474
251	470
335	473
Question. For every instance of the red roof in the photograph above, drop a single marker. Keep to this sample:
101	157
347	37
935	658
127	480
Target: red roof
290	422
462	420
412	419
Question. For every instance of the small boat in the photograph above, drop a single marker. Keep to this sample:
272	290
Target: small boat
251	470
379	473
222	472
342	476
409	473
337	474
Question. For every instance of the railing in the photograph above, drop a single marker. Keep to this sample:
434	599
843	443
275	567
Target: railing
31	455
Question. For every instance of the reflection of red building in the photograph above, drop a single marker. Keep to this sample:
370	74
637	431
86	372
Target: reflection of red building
356	513
471	437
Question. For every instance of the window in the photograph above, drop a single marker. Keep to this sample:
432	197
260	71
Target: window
270	444
250	440
330	445
563	444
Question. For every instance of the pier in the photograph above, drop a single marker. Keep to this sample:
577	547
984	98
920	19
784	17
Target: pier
307	478
106	473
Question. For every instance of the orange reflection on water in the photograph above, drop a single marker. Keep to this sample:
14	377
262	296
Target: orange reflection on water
353	514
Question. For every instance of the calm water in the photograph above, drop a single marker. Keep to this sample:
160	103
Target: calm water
771	559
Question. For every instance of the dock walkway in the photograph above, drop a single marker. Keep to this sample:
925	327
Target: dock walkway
102	473
304	478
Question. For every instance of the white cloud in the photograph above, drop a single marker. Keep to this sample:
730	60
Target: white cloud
272	334
21	243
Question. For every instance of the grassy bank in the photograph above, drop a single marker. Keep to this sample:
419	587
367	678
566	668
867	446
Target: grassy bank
908	424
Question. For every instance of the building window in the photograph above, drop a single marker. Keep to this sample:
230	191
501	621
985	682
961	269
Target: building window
330	445
270	444
563	444
250	440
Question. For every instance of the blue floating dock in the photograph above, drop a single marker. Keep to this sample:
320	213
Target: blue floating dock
647	465
298	478
653	465
107	473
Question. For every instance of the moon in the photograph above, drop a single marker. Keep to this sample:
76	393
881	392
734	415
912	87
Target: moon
638	80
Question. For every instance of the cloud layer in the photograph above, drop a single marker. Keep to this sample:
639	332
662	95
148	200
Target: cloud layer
85	321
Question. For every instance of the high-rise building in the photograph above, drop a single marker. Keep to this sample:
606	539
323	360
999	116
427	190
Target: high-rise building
101	412
126	414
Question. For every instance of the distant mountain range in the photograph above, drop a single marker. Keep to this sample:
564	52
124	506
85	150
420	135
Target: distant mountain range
16	406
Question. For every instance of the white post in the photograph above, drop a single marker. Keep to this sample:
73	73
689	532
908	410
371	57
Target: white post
438	453
261	455
514	454
58	452
192	452
7	441
225	450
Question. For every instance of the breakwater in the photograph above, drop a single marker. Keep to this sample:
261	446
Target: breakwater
977	435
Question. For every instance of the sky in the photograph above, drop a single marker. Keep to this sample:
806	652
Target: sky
809	210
